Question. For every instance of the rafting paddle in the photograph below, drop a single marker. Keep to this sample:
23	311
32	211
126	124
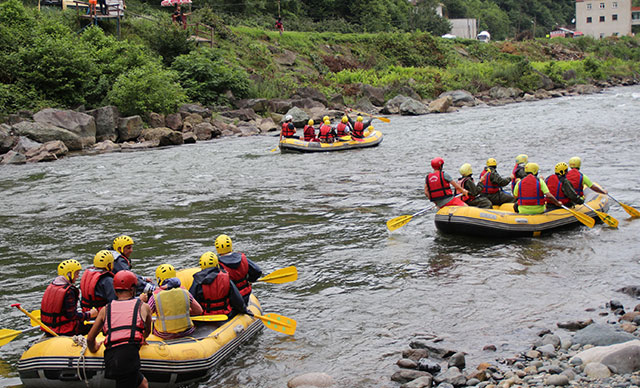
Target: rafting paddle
210	318
632	211
8	335
36	319
384	119
585	219
279	323
283	275
607	219
399	222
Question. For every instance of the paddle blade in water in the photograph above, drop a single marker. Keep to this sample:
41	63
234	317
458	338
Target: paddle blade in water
7	335
585	219
37	314
607	219
398	222
631	210
283	275
278	323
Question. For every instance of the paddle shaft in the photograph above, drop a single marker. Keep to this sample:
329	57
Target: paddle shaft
45	327
633	212
585	219
386	120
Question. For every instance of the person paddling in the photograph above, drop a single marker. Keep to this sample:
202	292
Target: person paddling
358	126
309	132
492	184
241	270
288	129
532	193
96	285
561	188
437	186
122	250
579	180
474	196
518	170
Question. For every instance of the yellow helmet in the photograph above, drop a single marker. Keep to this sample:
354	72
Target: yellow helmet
491	162
68	267
164	272
103	259
223	244
575	162
325	118
532	168
359	118
310	122
208	260
522	158
370	128
561	168
327	122
465	169
121	242
345	119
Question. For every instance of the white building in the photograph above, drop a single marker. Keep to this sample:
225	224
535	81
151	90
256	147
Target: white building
601	18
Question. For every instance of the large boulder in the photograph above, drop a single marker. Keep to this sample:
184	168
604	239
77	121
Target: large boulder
7	140
156	120
600	335
174	121
313	94
279	105
13	157
43	132
129	128
24	144
413	107
586	89
267	125
392	106
441	105
459	97
257	104
163	135
248	129
502	93
306	103
187	109
364	105
300	117
203	131
286	58
106	119
623	357
241	114
81	124
52	150
373	94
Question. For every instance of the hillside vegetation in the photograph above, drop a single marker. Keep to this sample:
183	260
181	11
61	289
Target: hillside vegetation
47	59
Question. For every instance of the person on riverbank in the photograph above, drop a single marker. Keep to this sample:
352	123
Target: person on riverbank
241	270
561	188
96	285
59	306
288	129
437	186
326	134
518	170
173	304
474	196
358	126
125	322
579	180
343	128
214	290
279	26
492	184
532	193
309	132
122	250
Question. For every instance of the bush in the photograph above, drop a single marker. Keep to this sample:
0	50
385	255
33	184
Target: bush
147	89
206	77
168	40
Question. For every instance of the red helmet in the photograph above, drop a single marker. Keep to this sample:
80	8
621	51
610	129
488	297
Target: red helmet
437	163
124	280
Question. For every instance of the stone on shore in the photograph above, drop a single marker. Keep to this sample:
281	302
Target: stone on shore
459	97
106	118
601	335
78	123
129	128
596	370
203	131
392	106
7	140
452	376
441	105
623	357
300	117
13	157
174	121
189	138
51	150
106	146
559	380
315	379
24	144
575	325
187	109
406	375
420	382
502	93
156	120
411	107
43	132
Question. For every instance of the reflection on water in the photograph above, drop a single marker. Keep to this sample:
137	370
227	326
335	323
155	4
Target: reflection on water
363	293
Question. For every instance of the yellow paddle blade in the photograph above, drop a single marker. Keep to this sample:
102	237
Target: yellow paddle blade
631	210
585	219
386	120
398	222
37	314
607	219
274	150
210	318
278	323
344	138
283	275
7	335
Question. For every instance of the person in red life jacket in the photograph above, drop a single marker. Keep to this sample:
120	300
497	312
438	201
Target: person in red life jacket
288	129
561	188
532	193
474	196
326	134
122	250
214	290
309	132
173	304
96	285
344	127
279	26
518	170
492	184
437	186
579	180
125	322
241	270
358	126
59	306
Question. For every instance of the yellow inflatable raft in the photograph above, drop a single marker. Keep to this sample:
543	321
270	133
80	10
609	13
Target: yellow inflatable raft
503	222
371	139
59	363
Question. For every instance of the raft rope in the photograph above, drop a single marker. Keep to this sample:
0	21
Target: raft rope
79	340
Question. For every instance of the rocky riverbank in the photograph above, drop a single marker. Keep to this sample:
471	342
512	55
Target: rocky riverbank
51	134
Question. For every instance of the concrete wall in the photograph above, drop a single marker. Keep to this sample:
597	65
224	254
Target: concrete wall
464	28
607	9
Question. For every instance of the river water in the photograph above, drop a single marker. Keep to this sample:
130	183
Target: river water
363	293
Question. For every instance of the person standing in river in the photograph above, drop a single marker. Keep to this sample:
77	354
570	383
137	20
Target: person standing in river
241	270
437	186
579	180
492	184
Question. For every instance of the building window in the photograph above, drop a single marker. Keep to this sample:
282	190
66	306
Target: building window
589	6
601	19
614	17
614	5
589	19
601	5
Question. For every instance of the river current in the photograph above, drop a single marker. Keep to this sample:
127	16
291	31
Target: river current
363	293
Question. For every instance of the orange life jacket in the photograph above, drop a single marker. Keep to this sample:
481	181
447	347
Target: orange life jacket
286	131
123	323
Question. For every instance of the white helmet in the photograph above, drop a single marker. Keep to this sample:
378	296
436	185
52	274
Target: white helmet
288	117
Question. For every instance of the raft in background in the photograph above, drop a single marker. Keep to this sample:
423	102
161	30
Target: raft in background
56	362
296	145
504	223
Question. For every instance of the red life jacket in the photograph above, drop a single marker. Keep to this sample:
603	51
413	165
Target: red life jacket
286	131
358	130
90	279
437	186
468	197
325	134
240	275
529	192
515	177
309	133
52	309
488	187
575	177
216	295
123	323
341	129
555	188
